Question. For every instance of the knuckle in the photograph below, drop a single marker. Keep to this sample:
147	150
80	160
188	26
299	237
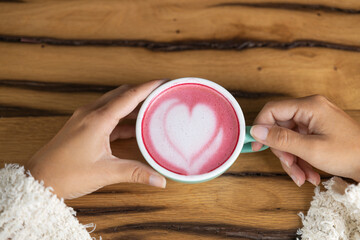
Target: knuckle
104	111
282	137
131	92
269	104
79	111
321	103
136	174
120	90
126	86
91	118
319	99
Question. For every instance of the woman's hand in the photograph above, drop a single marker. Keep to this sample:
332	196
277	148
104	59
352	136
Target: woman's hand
78	160
310	131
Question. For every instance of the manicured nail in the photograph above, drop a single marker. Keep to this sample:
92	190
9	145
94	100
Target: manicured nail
295	180
259	132
157	181
312	182
284	161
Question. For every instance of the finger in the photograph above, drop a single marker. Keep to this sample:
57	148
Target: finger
310	174
108	96
287	158
256	146
296	174
290	124
285	140
123	131
133	115
277	111
124	104
133	172
302	129
299	110
289	164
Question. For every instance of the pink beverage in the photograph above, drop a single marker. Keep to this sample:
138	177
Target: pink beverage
190	129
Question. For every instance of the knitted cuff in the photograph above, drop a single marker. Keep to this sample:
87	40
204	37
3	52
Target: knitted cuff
334	213
28	210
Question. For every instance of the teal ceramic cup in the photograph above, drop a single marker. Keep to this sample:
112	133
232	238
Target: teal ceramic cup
243	144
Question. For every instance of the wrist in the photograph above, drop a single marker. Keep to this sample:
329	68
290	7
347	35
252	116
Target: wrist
38	173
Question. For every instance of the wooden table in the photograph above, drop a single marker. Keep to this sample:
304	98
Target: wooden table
58	55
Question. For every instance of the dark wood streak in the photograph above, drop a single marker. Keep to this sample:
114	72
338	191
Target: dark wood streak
15	111
255	95
75	87
101	211
207	229
12	1
240	44
128	237
290	6
55	86
101	191
253	174
263	175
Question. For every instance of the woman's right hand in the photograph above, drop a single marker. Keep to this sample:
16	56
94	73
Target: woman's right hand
308	132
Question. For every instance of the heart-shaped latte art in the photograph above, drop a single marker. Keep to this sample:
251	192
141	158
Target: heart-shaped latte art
186	137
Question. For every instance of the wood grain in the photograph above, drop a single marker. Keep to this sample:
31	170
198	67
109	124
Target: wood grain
332	73
31	133
181	46
118	214
207	210
64	98
58	55
167	21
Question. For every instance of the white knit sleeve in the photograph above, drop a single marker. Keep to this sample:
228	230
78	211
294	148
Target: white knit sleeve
334	213
28	210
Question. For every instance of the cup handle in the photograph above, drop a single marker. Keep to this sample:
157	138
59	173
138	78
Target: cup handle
248	140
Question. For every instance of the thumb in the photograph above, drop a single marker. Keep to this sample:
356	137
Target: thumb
134	172
283	139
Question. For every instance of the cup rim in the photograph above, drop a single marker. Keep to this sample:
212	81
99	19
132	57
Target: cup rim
191	178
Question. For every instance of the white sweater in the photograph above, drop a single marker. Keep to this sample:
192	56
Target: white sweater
29	211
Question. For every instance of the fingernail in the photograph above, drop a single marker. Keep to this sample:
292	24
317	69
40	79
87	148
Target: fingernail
259	132
157	181
312	182
284	162
295	180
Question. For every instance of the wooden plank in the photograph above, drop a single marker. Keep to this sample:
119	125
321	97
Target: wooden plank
57	103
246	205
31	133
168	21
123	210
22	137
19	101
332	73
58	55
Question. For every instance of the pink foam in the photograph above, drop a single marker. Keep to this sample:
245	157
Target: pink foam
192	95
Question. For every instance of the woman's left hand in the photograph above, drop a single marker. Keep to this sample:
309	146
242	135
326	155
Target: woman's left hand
78	160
